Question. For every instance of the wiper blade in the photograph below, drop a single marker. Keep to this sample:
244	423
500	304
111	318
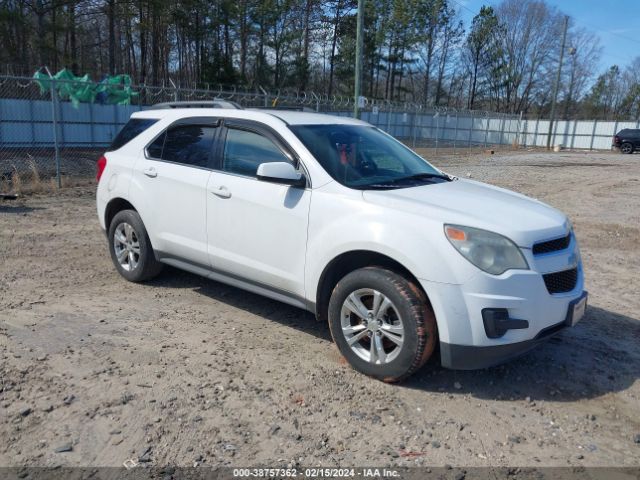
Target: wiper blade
401	182
421	176
376	186
415	177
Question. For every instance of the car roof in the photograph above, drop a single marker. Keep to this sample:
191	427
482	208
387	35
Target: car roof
312	118
287	116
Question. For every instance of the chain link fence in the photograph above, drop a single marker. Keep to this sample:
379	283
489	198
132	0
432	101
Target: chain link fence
47	138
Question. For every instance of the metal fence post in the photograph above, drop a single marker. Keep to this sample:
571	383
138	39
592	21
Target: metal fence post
455	134
266	96
33	125
470	130
91	123
61	121
389	119
593	133
54	118
414	126
501	141
141	95
518	130
437	116
486	130
175	90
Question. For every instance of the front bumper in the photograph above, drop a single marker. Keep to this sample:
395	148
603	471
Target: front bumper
469	357
518	300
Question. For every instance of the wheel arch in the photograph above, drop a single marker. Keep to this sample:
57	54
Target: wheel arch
347	262
114	206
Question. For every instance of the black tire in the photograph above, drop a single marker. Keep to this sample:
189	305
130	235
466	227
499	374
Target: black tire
147	266
626	147
414	310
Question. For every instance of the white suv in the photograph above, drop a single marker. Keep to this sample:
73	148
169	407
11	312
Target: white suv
332	215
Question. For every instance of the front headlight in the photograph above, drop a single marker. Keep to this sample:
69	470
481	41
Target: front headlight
488	251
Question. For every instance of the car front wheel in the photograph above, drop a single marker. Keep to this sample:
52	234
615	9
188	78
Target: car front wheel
382	323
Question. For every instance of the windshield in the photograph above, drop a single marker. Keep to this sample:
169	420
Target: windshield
362	157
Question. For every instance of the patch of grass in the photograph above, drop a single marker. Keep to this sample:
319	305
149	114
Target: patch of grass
16	181
34	181
29	180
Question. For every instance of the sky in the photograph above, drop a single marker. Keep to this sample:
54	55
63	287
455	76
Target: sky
616	22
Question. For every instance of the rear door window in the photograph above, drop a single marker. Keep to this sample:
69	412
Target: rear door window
155	149
189	144
131	130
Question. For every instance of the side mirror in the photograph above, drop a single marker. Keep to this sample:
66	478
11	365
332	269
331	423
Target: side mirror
280	172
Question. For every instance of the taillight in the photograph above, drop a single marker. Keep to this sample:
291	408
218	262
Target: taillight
616	139
101	164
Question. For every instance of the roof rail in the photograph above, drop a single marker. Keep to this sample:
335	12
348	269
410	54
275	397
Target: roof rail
216	103
288	108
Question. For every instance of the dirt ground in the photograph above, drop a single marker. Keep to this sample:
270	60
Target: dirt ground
182	370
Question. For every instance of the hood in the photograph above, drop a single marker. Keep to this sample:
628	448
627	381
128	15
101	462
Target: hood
474	204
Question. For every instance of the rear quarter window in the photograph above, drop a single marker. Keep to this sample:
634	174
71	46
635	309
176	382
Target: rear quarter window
131	130
188	144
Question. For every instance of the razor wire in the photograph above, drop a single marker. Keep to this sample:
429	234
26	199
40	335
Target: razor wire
46	138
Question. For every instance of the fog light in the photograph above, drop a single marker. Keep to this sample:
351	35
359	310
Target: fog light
497	322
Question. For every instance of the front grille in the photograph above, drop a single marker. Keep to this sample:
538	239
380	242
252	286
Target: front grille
561	282
552	245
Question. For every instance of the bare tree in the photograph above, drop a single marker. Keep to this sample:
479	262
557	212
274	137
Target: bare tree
584	55
528	45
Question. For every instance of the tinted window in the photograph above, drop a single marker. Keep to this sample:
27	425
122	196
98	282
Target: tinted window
361	156
186	144
131	130
155	149
244	151
629	132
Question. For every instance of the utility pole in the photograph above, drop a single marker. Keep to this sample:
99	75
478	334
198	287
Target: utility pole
359	48
557	84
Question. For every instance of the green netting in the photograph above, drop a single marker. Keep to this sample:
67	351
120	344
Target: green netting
113	90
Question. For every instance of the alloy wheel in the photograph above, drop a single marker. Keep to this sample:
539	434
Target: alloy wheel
372	326
126	246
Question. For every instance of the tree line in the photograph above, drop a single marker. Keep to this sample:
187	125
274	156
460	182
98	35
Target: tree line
416	51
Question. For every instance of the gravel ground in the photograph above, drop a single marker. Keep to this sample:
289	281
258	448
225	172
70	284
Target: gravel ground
182	370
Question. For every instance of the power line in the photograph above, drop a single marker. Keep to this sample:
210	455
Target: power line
465	7
617	57
607	31
609	55
592	27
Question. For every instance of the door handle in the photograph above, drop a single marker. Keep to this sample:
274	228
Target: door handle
222	192
150	172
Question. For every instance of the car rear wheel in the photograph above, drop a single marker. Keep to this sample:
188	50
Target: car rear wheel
382	323
626	147
131	249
